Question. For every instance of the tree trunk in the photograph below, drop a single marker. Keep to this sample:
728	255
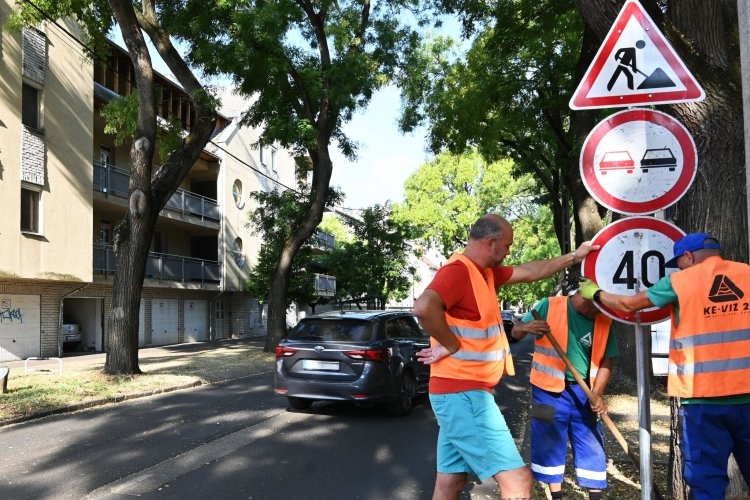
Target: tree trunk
148	191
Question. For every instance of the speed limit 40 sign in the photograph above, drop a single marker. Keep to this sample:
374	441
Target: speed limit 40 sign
631	258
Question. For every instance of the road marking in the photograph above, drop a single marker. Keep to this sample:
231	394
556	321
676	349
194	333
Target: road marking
149	479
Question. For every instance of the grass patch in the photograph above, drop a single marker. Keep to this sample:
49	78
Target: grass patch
42	391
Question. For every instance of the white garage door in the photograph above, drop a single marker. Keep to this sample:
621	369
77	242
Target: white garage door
142	324
196	320
164	321
20	327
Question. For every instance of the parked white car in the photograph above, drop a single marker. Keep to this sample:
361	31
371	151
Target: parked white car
71	330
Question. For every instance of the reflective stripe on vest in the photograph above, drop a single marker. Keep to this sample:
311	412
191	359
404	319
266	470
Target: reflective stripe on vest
709	351
484	352
547	367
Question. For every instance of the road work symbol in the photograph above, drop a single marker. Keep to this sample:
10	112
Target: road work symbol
627	66
635	65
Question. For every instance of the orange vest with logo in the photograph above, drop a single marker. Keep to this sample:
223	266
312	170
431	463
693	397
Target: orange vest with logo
547	368
709	351
484	352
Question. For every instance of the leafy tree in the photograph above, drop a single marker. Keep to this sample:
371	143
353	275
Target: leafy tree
373	267
308	66
508	97
149	189
273	219
445	196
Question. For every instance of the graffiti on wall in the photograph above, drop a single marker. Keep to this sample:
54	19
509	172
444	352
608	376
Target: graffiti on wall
8	314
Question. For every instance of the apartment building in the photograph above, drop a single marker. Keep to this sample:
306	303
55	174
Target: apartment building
64	186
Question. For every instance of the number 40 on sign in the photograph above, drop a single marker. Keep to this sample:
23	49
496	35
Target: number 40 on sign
631	258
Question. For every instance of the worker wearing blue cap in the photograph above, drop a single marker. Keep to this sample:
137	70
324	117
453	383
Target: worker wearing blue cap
709	356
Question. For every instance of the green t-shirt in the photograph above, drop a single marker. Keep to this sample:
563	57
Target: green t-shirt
661	295
580	339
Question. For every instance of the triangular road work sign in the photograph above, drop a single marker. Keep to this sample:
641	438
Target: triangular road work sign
635	65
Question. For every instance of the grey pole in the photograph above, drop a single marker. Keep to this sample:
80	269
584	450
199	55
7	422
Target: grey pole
644	407
743	13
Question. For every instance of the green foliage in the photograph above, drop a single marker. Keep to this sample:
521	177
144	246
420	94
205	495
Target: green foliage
373	268
273	219
308	66
332	224
445	196
533	239
94	16
508	95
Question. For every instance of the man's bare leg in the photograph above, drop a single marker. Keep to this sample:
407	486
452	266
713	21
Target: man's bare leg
514	483
449	486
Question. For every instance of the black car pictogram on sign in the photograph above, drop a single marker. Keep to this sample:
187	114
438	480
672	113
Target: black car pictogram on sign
658	158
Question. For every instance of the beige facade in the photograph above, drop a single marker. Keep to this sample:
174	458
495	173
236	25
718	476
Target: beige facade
64	186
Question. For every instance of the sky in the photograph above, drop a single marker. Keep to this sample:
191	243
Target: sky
386	157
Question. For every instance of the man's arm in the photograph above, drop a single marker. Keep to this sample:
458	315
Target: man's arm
598	405
536	270
430	310
627	303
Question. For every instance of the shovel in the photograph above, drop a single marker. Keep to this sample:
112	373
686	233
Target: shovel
608	421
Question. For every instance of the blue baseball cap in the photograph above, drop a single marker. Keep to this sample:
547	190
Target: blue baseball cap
690	243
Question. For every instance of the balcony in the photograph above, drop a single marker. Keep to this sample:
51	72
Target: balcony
323	241
163	267
115	181
325	286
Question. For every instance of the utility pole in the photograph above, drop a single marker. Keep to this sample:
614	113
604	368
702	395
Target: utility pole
743	13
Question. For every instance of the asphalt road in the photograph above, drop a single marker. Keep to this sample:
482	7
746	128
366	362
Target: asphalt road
238	440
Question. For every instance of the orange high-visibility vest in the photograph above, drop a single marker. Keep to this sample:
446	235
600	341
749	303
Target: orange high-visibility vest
484	352
547	367
709	351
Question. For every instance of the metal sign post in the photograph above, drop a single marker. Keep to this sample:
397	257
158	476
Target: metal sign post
644	408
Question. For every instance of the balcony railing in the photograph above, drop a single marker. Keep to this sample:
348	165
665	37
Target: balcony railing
325	286
162	266
112	180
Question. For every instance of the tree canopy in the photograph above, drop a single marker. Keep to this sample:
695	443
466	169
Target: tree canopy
444	197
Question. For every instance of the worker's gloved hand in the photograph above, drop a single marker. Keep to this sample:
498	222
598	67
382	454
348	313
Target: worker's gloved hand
588	288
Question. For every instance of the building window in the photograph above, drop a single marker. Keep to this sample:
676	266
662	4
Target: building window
105	156
239	257
30	112
261	156
237	193
30	210
273	158
105	232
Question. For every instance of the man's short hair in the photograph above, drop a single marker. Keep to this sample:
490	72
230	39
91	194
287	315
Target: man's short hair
484	227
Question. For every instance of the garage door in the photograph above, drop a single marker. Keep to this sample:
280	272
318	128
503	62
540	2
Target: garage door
142	324
20	327
196	320
164	321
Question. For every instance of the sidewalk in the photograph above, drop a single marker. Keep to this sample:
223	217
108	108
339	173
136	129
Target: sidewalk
75	361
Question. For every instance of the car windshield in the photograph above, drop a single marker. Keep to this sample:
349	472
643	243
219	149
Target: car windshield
332	330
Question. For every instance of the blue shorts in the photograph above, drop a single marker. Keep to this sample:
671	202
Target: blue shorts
557	417
473	435
709	434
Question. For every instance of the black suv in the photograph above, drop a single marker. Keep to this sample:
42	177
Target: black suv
365	357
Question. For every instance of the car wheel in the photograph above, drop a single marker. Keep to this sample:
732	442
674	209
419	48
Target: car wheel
299	403
405	400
